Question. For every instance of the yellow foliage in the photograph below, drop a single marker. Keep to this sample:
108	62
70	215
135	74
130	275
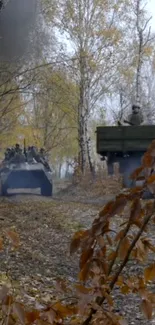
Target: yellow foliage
11	107
53	125
148	50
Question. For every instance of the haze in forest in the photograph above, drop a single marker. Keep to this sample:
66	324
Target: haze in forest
17	22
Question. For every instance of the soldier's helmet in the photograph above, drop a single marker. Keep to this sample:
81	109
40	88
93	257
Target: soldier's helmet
136	108
42	150
17	146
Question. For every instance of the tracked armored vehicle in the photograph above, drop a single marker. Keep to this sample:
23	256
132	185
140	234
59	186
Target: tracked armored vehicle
24	174
125	145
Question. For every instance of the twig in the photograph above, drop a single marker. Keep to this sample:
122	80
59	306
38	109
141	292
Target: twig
118	247
146	220
100	300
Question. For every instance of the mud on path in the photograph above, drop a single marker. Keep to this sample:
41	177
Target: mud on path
45	226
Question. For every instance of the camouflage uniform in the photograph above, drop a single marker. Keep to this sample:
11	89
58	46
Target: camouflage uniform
136	117
7	154
44	159
30	158
19	157
17	148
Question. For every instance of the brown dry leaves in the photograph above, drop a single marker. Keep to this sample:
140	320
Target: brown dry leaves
99	252
101	248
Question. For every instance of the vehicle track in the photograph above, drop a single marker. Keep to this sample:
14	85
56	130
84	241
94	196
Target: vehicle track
34	197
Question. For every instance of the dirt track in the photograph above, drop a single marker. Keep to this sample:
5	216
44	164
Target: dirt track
45	226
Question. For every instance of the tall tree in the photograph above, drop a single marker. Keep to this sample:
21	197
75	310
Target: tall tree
94	31
53	113
132	77
144	43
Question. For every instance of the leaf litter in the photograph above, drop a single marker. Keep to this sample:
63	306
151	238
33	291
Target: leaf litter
45	228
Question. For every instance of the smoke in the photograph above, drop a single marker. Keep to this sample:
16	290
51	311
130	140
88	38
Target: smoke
18	19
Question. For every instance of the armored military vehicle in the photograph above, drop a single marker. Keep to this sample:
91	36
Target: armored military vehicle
125	145
19	172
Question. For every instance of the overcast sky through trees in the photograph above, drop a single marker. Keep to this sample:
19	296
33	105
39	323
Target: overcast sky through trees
151	9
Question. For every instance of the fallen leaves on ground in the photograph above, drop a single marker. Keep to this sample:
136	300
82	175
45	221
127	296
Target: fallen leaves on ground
44	228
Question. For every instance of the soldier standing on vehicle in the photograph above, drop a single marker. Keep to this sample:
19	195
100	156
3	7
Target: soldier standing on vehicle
135	118
43	158
17	148
18	157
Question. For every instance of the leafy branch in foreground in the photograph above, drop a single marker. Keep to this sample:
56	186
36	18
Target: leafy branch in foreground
117	237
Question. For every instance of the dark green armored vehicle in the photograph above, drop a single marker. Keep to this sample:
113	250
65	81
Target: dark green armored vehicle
25	170
125	145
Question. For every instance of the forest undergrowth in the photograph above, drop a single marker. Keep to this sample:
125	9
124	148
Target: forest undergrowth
105	277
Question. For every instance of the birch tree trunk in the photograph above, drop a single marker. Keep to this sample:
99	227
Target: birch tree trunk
144	40
81	115
140	54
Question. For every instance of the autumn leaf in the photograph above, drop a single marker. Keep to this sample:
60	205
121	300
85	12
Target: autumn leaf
124	246
149	273
125	289
138	223
85	256
118	205
51	315
1	243
147	160
14	237
151	147
18	310
108	298
140	246
120	235
120	281
112	255
83	274
8	301
140	254
136	192
32	316
141	283
107	209
76	240
63	310
151	179
149	208
136	172
149	245
82	289
147	309
135	210
104	266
